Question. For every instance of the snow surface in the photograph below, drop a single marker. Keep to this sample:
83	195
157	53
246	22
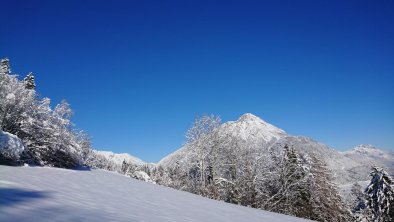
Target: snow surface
10	145
53	194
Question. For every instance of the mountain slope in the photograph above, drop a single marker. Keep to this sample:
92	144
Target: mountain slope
52	194
117	158
347	167
368	155
342	167
248	127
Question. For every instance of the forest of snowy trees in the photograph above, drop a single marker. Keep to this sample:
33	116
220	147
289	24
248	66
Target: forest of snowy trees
280	180
216	165
48	135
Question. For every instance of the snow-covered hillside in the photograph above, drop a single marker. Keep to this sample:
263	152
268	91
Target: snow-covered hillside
53	194
117	158
248	127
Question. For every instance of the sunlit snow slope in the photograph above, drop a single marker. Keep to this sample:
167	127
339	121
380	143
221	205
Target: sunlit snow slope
51	194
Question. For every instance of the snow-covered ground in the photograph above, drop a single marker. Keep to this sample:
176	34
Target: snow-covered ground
53	194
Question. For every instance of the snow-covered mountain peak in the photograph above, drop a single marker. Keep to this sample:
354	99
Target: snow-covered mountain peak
249	117
369	155
249	125
247	128
364	148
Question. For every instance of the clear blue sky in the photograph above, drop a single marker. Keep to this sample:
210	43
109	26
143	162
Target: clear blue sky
137	73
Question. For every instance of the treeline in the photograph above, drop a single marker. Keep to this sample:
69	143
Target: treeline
48	135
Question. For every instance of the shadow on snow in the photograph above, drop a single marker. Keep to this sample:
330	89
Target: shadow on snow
11	196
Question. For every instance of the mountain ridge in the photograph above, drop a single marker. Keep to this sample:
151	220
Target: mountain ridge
346	166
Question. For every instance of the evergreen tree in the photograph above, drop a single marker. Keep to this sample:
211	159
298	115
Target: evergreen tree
288	186
326	204
380	196
357	204
297	175
124	167
29	81
5	67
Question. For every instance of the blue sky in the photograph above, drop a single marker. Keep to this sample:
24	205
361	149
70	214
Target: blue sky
137	73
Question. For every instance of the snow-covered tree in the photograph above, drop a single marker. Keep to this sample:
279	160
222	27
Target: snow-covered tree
5	66
29	81
286	189
99	161
160	176
357	202
48	135
380	196
15	102
198	139
325	202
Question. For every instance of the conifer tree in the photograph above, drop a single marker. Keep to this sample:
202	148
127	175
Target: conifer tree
289	191
357	203
29	81
326	203
358	197
124	167
5	67
380	196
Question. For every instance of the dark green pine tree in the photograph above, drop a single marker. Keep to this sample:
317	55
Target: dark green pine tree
380	196
124	167
29	81
296	175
